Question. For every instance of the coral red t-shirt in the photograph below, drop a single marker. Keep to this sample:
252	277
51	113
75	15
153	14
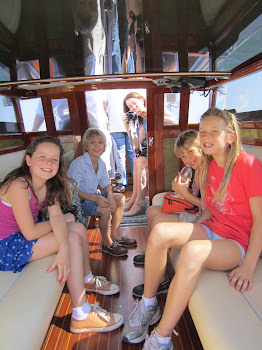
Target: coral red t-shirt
231	217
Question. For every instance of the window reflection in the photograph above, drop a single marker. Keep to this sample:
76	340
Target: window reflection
241	95
247	45
8	123
198	104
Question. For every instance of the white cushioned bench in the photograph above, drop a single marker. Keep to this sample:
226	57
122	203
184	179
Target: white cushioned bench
27	299
224	318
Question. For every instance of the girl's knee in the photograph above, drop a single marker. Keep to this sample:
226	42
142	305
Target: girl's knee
74	238
191	255
157	237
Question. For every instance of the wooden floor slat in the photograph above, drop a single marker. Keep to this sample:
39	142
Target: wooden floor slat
123	272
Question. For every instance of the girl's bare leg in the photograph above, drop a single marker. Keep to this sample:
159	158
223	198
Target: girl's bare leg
197	252
79	257
135	185
164	236
195	255
155	216
117	215
141	183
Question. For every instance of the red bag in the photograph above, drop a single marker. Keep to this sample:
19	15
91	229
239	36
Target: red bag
172	204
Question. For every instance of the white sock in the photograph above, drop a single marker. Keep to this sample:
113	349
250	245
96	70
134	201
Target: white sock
162	340
81	312
149	302
88	277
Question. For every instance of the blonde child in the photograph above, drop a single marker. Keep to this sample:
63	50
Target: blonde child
227	236
41	182
187	148
89	172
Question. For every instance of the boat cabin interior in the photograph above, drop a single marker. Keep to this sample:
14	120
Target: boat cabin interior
59	58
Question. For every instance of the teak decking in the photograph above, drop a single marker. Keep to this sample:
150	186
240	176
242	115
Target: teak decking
123	272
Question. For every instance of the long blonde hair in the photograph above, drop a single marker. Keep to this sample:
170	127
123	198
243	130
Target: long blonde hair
232	152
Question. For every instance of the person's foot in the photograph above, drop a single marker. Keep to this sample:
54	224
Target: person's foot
101	285
98	320
136	329
162	288
152	343
125	241
139	259
137	209
115	249
129	204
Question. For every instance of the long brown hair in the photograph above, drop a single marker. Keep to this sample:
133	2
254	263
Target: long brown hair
57	186
232	152
133	95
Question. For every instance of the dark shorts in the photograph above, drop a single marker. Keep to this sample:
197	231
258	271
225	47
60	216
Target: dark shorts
15	251
90	207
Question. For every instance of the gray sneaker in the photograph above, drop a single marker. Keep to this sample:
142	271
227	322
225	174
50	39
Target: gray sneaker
140	319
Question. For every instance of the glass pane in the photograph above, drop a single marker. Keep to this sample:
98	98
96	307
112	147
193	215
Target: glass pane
243	94
8	123
172	104
32	114
198	62
198	104
248	45
170	62
61	114
4	73
27	70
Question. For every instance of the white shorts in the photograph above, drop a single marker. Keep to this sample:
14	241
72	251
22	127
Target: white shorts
187	217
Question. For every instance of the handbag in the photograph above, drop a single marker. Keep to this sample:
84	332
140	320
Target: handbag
175	204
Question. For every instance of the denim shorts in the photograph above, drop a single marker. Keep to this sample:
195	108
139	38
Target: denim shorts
90	207
212	235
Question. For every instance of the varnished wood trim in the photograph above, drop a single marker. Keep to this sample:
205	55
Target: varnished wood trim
247	141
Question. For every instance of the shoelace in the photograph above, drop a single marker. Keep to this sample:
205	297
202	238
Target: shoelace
100	281
134	318
116	244
101	312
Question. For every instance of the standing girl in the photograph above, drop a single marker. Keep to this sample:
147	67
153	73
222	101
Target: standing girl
41	182
227	236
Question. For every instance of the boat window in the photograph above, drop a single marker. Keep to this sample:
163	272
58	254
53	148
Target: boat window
4	72
27	70
8	122
198	104
61	114
247	45
172	105
242	95
32	118
198	62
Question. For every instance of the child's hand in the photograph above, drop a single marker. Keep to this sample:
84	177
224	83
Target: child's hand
62	262
242	278
180	187
102	202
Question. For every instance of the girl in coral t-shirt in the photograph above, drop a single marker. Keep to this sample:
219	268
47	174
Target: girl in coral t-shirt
227	236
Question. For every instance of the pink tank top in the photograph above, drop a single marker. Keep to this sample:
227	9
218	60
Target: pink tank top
8	224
